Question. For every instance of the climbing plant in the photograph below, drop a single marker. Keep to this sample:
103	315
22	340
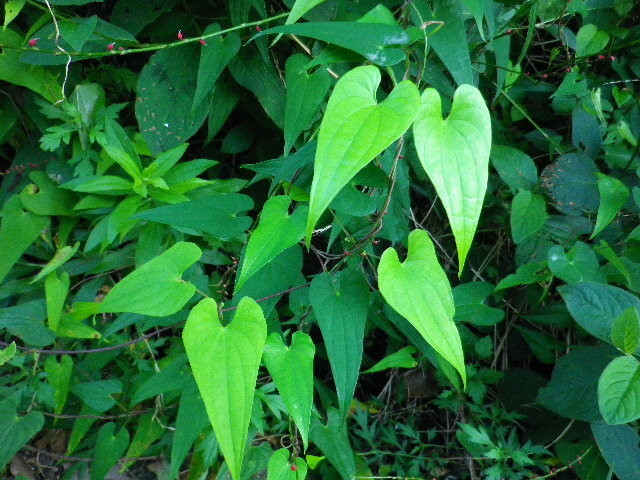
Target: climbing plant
319	239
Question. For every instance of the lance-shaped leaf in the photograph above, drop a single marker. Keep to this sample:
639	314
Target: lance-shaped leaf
455	154
225	363
613	195
280	468
276	232
375	41
155	289
333	441
59	377
292	370
355	129
56	290
340	303
213	59
305	94
418	289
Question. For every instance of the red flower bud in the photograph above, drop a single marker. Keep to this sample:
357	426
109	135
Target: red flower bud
600	57
33	42
613	59
545	76
258	28
509	32
180	37
294	468
568	69
121	49
202	42
111	46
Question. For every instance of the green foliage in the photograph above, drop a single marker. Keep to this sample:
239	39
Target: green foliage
202	221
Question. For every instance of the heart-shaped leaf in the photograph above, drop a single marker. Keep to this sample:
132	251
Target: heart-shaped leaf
355	129
108	450
300	85
280	468
59	377
455	154
225	363
56	290
276	232
155	289
418	289
340	303
292	371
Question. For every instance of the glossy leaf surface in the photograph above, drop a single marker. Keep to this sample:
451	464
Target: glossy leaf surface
455	154
354	129
418	289
225	363
619	391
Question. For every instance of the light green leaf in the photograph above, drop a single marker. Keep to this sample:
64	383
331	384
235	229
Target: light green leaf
292	371
355	129
56	290
108	450
590	40
280	467
625	331
455	154
155	288
619	391
403	358
8	353
276	232
528	214
60	258
300	7
12	8
340	303
59	377
104	184
613	195
213	59
418	289
225	363
313	88
18	230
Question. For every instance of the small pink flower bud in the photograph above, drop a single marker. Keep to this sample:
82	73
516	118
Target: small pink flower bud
180	36
33	42
111	46
202	42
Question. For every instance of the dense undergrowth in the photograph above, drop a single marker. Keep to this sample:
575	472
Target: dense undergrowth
170	167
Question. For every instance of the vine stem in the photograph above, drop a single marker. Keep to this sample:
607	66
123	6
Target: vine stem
151	48
143	337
